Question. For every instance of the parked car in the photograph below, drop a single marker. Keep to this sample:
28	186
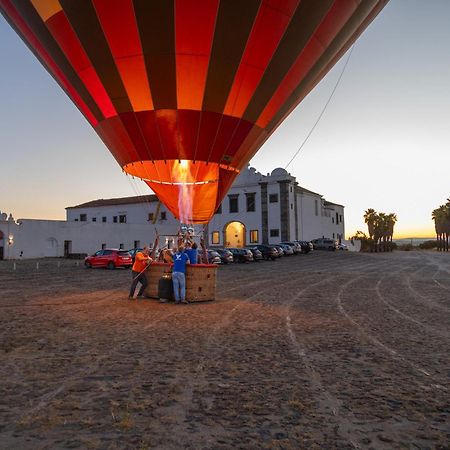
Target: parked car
287	249
257	255
214	257
342	246
133	252
225	255
296	247
241	255
324	244
110	258
268	251
306	246
279	250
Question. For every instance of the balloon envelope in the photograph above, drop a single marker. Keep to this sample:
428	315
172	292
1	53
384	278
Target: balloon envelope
184	92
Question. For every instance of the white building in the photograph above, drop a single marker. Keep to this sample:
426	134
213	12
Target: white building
273	208
257	209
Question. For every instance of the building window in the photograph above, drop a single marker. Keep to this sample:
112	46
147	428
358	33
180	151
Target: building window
163	215
290	189
340	218
115	219
94	219
292	206
83	218
273	198
137	244
151	216
121	247
332	220
337	218
234	205
123	218
253	236
316	207
219	209
76	220
103	246
274	232
104	219
251	207
333	235
215	237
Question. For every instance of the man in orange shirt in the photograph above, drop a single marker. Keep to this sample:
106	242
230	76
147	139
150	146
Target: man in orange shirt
142	260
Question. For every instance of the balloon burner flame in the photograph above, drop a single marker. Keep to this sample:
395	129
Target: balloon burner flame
183	176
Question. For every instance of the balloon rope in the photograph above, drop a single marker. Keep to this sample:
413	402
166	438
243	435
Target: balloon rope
323	110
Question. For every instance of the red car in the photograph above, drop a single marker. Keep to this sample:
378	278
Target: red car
110	258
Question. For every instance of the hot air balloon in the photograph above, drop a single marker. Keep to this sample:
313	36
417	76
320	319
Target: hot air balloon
185	92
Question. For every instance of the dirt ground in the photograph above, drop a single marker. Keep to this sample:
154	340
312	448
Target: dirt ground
319	351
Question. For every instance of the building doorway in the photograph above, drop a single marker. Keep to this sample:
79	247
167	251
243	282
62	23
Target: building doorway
235	234
68	248
2	248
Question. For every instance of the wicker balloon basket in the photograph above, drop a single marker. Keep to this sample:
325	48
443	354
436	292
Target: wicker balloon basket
200	281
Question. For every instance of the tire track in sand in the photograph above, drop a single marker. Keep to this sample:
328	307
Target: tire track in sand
392	352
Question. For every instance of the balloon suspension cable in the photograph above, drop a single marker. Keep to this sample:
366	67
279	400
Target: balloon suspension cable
323	109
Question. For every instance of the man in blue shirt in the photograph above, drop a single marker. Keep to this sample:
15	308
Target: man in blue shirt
180	259
192	252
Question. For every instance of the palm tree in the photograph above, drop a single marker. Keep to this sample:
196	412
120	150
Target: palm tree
370	218
446	225
377	231
381	229
439	217
383	224
392	220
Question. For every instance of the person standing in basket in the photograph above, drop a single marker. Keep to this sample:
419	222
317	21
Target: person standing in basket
142	260
180	259
192	252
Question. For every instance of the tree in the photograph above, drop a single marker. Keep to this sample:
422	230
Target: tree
392	220
381	229
370	218
441	217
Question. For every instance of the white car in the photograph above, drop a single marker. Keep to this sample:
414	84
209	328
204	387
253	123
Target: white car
342	247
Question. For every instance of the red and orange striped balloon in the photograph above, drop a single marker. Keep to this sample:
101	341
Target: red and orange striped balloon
184	92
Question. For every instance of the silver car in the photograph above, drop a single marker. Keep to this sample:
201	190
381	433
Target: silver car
324	244
287	249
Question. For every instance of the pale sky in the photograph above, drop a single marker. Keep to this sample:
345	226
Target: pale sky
382	143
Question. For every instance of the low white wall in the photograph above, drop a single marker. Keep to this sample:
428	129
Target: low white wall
45	238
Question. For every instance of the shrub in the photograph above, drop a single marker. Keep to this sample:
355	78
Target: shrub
428	244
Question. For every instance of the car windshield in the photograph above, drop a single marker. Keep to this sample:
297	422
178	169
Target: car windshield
123	253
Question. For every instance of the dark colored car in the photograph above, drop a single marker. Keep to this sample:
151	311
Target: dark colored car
225	255
268	251
306	246
214	257
133	252
241	255
110	258
257	255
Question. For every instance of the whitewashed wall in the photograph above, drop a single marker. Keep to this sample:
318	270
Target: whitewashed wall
45	238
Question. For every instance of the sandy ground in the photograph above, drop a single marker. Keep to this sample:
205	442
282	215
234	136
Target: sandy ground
319	351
